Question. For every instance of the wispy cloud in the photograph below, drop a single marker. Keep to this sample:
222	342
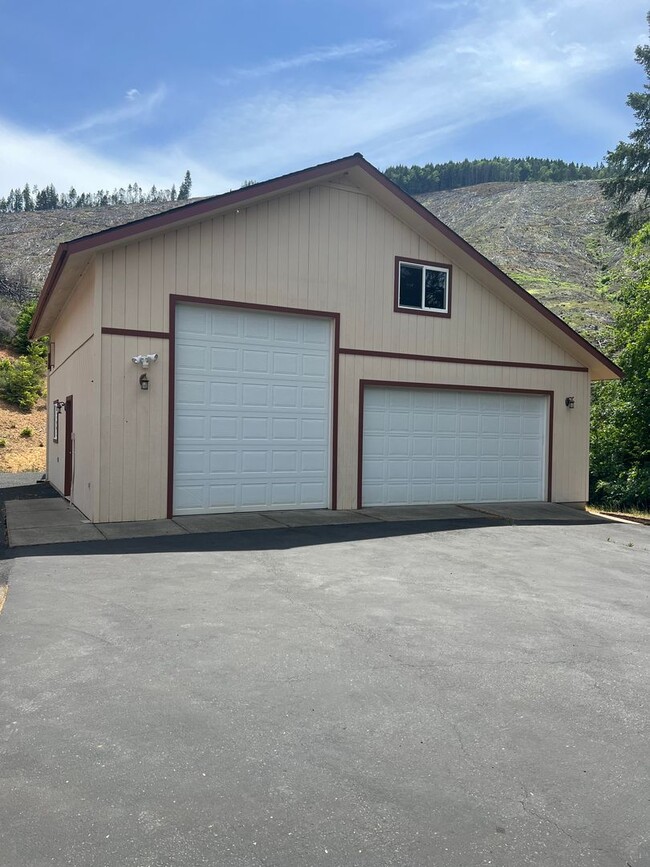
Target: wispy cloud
325	54
508	57
410	101
135	107
40	159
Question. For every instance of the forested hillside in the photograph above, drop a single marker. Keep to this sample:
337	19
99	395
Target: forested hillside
549	237
432	177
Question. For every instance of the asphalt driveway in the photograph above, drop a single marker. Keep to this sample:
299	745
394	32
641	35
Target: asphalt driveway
459	697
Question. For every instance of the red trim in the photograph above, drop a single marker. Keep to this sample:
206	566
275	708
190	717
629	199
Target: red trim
60	258
396	305
488	265
186	212
170	410
67	449
135	332
409	356
249	194
385	383
551	403
218	302
362	394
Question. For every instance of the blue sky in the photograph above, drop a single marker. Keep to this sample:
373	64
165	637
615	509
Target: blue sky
99	94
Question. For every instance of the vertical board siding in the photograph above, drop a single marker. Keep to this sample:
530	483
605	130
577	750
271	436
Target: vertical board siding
321	248
75	323
133	477
326	249
75	376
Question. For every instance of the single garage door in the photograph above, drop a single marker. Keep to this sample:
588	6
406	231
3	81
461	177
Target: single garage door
425	445
252	410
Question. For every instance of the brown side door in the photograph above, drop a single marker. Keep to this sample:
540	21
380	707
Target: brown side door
67	470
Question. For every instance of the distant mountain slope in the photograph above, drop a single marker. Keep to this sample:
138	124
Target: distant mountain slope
549	237
28	240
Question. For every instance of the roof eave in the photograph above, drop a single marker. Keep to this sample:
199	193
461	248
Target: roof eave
603	363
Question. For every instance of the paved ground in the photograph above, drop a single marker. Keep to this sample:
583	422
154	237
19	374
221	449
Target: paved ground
49	521
349	695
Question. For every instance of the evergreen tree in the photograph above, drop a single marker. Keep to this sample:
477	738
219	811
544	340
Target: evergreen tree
620	428
28	202
629	163
185	188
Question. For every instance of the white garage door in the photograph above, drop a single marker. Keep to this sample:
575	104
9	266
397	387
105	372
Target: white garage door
252	410
442	446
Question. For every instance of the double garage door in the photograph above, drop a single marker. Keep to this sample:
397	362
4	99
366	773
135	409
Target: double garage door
253	419
427	445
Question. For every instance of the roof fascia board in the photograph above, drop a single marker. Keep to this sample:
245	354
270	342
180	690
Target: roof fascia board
358	167
465	247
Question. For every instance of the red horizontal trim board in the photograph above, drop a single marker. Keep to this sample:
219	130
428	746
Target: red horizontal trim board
249	194
218	302
135	332
435	386
409	356
175	215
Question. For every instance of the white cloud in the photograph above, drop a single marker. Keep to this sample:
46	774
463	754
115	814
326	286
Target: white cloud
324	54
507	57
136	108
42	159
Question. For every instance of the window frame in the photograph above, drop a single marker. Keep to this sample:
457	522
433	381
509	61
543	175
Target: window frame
424	263
56	412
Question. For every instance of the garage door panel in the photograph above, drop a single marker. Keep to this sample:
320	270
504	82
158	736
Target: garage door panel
258	408
191	358
442	446
226	324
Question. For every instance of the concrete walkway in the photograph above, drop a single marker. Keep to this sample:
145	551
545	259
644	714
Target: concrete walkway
54	520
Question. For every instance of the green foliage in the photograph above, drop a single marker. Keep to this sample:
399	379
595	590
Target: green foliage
26	433
620	429
3	443
185	188
448	176
21	381
22	343
49	199
629	164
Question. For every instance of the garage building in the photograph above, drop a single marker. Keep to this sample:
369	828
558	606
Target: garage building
320	341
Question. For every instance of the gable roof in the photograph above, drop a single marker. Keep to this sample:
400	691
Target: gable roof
72	256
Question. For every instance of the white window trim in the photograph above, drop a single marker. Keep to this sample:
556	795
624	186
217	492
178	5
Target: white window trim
424	268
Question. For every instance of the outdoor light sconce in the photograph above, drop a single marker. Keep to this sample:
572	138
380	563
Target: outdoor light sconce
570	402
144	361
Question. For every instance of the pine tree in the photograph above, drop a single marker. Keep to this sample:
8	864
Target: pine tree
185	188
629	162
28	202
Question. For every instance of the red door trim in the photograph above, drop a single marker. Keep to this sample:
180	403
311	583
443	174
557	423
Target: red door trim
383	383
68	447
174	300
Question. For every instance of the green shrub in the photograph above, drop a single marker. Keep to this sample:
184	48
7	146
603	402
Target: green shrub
26	432
21	342
21	381
3	443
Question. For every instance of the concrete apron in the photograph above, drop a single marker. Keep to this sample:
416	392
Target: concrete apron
50	521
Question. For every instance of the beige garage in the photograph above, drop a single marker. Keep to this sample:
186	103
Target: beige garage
319	340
